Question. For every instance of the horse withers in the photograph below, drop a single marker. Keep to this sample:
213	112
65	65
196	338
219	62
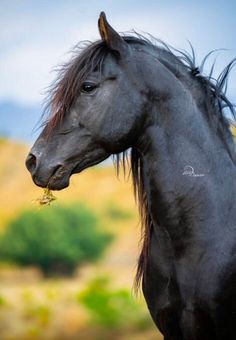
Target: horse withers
125	92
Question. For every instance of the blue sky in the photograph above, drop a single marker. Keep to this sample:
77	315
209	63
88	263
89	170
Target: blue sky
35	35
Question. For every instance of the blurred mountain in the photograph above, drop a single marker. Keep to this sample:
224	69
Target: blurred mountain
19	122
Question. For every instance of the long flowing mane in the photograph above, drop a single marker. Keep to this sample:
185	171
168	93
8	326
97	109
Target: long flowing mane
211	93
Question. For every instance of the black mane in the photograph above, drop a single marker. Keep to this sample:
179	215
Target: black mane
89	56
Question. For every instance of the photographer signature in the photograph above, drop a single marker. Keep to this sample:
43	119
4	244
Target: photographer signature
189	171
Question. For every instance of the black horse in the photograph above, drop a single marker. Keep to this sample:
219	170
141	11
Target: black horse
128	93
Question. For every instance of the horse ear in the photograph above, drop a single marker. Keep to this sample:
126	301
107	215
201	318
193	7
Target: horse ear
113	40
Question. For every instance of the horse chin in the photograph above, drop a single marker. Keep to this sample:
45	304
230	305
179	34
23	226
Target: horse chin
61	178
87	163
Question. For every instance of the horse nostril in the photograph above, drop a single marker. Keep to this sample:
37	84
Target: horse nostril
31	162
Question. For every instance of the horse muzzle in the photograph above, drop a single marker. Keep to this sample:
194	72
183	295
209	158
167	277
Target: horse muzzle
54	177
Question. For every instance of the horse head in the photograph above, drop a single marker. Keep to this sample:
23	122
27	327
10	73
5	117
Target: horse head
96	111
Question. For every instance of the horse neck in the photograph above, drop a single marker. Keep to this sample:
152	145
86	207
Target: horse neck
177	135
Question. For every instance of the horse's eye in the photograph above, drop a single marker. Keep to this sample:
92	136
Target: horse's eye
88	87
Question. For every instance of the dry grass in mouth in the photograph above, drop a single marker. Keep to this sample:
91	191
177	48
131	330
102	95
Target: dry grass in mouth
47	198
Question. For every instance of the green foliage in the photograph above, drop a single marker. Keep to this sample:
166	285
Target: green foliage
2	301
112	308
41	314
27	297
56	239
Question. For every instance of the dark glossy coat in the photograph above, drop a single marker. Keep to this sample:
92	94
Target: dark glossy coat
132	94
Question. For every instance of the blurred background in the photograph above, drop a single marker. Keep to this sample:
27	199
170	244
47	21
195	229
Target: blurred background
66	271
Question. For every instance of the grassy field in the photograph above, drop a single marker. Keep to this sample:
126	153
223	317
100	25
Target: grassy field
32	307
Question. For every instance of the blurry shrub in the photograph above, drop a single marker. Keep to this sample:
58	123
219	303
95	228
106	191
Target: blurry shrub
27	296
112	308
2	301
41	314
56	239
51	294
117	213
34	332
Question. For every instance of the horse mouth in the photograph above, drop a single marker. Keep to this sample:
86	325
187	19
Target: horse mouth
60	179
